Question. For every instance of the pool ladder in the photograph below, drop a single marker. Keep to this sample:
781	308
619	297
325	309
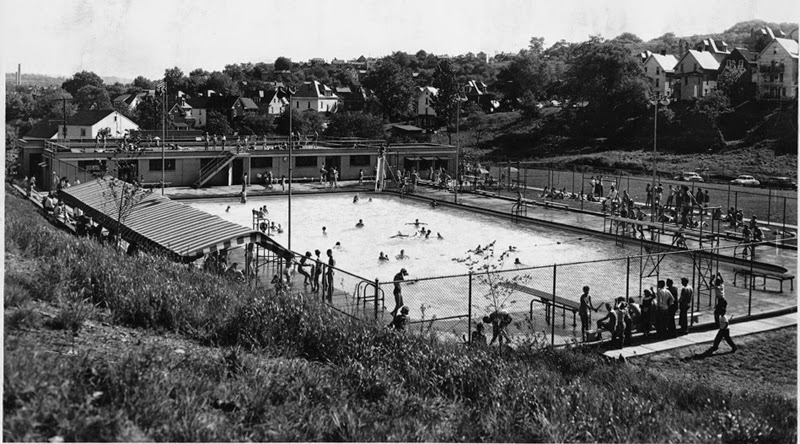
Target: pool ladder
366	292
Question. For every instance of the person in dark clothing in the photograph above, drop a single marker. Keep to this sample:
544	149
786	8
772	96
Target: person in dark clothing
684	304
583	311
723	333
500	319
670	320
400	321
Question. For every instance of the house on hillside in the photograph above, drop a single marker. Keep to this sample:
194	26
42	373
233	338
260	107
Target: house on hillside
272	102
426	116
180	114
44	129
316	96
717	48
351	98
741	58
133	100
761	37
229	106
88	123
695	75
478	93
777	71
659	69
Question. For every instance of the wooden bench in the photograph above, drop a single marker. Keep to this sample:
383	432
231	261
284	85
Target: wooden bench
155	184
756	273
548	299
549	203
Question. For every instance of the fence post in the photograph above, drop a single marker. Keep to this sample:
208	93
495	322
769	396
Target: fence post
377	290
784	218
769	204
736	202
525	189
469	310
553	317
752	280
628	280
583	181
729	196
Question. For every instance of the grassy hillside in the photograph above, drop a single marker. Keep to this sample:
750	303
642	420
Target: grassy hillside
102	346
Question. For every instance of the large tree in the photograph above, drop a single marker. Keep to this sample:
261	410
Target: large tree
217	123
445	102
143	83
221	83
92	97
355	124
283	64
393	87
81	79
175	80
525	77
254	124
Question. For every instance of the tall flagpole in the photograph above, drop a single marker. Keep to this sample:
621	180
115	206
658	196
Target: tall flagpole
291	145
163	134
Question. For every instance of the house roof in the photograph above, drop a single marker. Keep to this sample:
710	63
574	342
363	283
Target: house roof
43	129
221	102
127	98
197	102
407	128
750	56
314	89
429	89
666	62
789	45
248	103
88	117
704	59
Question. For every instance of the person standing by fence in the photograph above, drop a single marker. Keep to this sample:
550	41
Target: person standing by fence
583	311
684	304
398	292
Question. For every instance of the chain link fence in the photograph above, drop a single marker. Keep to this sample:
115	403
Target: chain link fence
544	301
778	208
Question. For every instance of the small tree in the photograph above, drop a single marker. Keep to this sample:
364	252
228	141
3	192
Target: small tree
123	198
488	270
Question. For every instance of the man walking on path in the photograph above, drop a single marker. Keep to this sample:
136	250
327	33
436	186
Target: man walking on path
723	333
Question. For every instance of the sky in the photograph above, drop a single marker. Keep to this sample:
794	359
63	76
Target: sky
127	38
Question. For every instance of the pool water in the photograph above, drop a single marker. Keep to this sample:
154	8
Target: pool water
385	216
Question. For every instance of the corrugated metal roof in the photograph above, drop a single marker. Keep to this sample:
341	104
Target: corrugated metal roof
158	222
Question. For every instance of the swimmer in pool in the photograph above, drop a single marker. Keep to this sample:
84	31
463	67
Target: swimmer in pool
355	198
402	255
383	257
434	204
360	224
324	233
228	210
338	246
439	236
280	230
399	234
512	248
416	223
370	200
517	262
428	234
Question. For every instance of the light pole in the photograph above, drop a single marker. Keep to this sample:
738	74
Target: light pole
291	145
458	148
655	99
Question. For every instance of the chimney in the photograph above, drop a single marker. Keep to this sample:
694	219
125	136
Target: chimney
663	52
19	74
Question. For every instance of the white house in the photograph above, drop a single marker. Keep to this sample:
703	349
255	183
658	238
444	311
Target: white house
426	116
273	102
87	124
316	96
657	68
777	71
695	74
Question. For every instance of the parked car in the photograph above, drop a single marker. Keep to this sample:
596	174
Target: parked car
689	176
782	183
745	181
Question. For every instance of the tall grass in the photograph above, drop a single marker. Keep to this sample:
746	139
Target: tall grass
286	368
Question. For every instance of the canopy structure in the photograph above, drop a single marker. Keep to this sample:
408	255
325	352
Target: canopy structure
158	223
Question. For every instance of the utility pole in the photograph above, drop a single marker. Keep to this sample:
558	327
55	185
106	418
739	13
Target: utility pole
291	146
64	111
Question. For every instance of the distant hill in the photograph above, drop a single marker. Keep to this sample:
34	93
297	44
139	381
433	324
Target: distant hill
44	80
733	36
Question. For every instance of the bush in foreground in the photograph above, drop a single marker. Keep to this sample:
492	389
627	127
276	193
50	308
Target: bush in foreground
286	368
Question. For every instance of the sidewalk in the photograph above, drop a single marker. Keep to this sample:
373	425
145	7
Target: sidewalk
705	337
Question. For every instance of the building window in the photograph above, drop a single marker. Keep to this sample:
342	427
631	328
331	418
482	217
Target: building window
780	77
658	70
155	164
656	82
686	80
695	67
305	161
309	105
261	162
83	132
92	166
741	64
361	160
298	104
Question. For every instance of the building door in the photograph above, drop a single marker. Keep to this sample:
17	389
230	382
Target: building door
238	170
128	170
34	169
334	161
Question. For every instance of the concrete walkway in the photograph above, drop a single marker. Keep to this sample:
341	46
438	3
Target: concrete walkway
705	337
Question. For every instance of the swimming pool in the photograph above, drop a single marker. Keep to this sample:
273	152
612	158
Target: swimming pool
385	216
